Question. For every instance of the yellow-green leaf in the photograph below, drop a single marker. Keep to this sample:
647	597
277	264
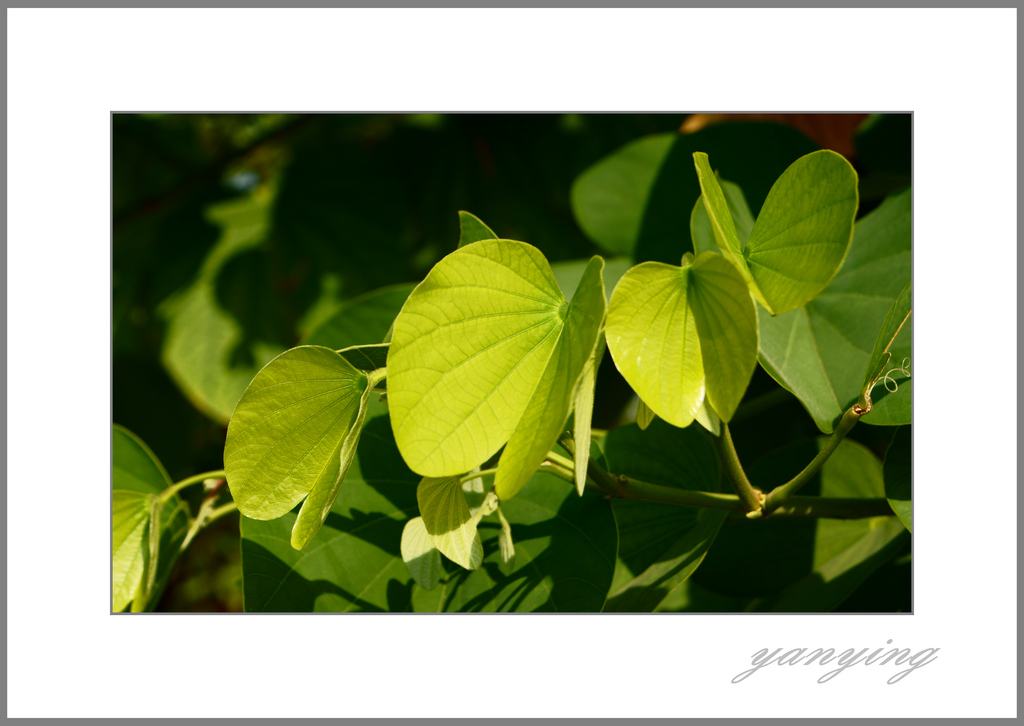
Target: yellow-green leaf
448	521
420	555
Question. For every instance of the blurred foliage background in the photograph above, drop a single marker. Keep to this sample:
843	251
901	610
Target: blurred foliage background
233	236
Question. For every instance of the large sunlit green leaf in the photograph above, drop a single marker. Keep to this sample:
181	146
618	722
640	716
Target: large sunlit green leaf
287	433
820	352
660	545
678	333
801	235
636	201
564	546
137	476
888	374
897	471
804	564
487	351
448	521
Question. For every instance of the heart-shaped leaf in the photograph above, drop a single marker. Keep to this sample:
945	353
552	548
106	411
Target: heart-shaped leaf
289	431
676	333
634	201
420	555
487	351
472	229
448	521
801	235
822	351
897	471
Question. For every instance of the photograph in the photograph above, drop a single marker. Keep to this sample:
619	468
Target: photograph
448	362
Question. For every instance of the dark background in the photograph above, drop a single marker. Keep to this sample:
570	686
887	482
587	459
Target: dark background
349	203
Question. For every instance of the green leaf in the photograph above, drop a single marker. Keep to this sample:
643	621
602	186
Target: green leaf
448	521
367	358
644	414
676	333
137	471
135	466
130	544
583	411
356	562
801	235
637	201
487	351
288	431
820	352
890	367
506	548
804	564
660	545
321	497
549	407
707	418
564	556
471	229
420	555
565	548
897	471
569	274
701	231
361	320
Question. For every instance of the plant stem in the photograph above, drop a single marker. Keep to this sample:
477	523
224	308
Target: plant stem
605	482
170	491
560	460
781	494
230	507
752	498
636	489
476	475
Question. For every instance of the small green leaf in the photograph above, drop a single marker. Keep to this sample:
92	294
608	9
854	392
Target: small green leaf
583	407
487	351
288	430
420	555
801	235
449	522
676	333
897	471
130	542
644	414
471	229
506	549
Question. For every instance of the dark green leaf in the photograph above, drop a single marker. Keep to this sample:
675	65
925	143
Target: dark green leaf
363	320
897	472
660	545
